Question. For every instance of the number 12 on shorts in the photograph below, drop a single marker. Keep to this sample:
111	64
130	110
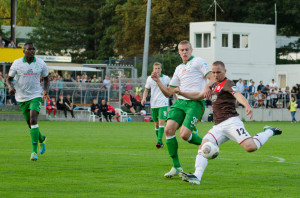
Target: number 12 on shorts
241	131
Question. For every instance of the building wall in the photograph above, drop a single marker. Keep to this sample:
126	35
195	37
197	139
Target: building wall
292	73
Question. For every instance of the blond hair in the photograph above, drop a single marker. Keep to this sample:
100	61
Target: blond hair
157	64
185	42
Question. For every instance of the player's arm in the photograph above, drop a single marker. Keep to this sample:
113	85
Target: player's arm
242	100
46	86
167	91
207	91
145	94
191	95
11	89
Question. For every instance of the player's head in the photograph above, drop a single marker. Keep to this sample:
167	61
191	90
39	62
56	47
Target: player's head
157	68
218	70
185	50
29	50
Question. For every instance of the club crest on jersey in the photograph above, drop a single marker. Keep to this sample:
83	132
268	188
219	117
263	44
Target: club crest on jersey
29	71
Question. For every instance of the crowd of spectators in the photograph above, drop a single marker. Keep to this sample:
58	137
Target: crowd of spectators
10	44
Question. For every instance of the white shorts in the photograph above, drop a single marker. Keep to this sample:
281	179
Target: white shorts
232	128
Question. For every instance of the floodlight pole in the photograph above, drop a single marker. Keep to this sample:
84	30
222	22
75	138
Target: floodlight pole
13	20
146	42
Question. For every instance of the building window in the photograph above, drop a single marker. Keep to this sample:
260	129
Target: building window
203	40
206	40
224	40
236	41
244	40
198	40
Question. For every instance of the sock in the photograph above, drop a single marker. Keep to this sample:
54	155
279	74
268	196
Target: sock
49	112
261	138
34	132
200	165
54	111
194	139
172	145
161	131
41	137
156	132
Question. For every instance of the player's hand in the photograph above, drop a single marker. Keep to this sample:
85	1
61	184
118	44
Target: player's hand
176	91
249	111
154	76
207	92
143	101
45	95
11	91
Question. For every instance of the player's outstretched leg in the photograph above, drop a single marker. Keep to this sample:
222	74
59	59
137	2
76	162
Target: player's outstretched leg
160	136
191	178
261	138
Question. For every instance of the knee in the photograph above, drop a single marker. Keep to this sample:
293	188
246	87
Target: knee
33	121
169	131
185	135
250	147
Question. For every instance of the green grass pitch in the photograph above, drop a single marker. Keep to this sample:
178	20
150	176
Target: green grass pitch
120	160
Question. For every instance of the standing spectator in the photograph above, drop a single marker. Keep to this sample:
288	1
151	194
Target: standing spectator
273	96
104	109
51	106
94	80
138	89
251	93
69	106
280	98
128	85
273	85
293	108
260	86
99	80
240	86
286	98
246	89
106	82
111	111
2	86
2	42
60	85
266	92
127	102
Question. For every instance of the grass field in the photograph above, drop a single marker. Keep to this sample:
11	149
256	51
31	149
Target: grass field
120	160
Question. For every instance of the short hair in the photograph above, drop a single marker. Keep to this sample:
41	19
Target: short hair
157	63
29	43
216	63
185	42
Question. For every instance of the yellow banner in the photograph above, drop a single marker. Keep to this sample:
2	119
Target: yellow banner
10	54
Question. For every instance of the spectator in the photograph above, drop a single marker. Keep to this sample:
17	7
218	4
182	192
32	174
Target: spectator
2	42
127	102
286	98
273	85
2	90
293	108
99	80
273	96
138	89
128	85
12	44
95	108
246	89
251	93
104	110
266	92
89	80
280	98
240	86
138	99
51	106
133	101
94	80
111	111
60	103
260	86
106	81
69	106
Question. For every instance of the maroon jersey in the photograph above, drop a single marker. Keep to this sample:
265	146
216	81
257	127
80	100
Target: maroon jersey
223	100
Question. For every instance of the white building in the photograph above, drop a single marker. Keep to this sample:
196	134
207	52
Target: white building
248	51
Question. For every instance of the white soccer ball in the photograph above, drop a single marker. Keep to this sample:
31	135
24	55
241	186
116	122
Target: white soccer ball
296	105
209	150
143	112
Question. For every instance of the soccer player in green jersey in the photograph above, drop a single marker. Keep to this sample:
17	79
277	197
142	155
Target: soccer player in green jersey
190	76
29	94
159	103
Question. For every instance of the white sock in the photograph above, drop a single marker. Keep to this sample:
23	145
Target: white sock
261	138
189	138
200	165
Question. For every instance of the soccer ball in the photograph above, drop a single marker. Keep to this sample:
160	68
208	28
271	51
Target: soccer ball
209	150
143	112
296	105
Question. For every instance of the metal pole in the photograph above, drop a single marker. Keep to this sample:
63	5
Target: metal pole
13	20
146	43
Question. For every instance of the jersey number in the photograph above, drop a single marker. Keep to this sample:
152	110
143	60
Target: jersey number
241	131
